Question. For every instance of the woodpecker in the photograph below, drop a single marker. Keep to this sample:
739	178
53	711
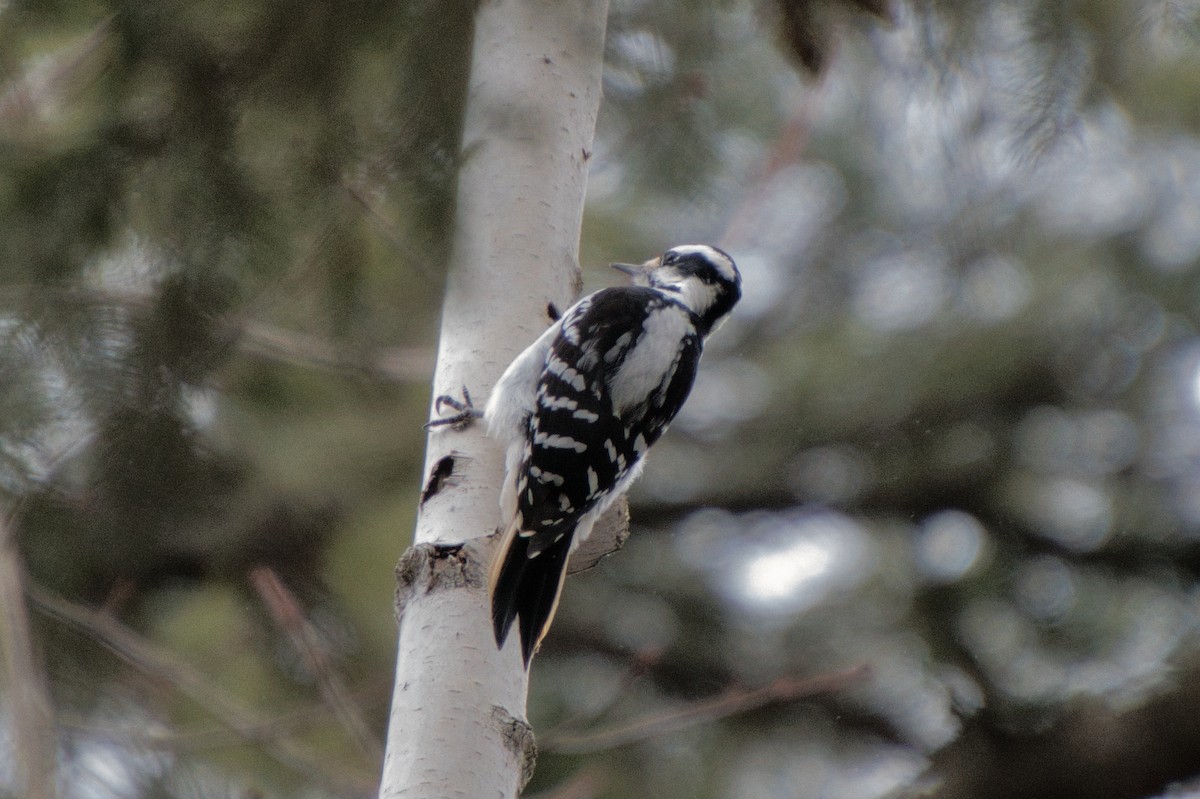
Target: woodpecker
577	411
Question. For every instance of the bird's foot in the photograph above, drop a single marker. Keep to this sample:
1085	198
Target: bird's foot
465	412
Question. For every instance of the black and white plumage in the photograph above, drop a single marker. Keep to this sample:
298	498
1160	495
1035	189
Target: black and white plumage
577	410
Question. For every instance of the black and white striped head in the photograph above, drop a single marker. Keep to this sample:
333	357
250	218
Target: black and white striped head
703	278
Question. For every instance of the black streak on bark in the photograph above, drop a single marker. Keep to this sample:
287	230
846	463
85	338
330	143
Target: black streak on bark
437	478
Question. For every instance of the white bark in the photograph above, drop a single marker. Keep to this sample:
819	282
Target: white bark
457	724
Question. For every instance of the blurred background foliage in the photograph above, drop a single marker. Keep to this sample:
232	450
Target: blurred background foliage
929	525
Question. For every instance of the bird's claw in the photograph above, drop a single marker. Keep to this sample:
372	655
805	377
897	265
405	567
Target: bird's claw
466	412
446	399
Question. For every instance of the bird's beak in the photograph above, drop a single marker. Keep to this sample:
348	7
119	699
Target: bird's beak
639	272
633	270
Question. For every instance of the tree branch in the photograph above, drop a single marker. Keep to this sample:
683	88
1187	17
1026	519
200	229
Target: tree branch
393	364
731	703
289	616
28	691
250	724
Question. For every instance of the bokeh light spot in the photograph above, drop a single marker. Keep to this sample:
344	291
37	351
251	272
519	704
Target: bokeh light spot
949	545
798	562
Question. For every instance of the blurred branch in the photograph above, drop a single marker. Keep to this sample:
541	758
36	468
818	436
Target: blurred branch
287	723
14	293
29	695
289	616
358	192
262	340
394	364
730	703
248	723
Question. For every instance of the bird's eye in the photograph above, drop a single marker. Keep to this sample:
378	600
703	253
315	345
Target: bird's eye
670	257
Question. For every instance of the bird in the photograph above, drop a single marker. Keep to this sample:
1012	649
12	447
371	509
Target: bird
576	411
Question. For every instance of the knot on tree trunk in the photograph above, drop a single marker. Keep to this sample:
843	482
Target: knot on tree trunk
426	568
609	535
518	738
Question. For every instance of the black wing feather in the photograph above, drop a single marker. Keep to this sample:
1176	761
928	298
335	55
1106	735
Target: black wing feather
611	326
562	483
528	588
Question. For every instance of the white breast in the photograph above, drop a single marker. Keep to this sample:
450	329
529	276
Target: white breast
652	358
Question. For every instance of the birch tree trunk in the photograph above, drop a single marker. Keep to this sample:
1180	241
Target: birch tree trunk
457	726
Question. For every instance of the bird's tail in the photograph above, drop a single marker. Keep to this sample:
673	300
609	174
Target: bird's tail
526	587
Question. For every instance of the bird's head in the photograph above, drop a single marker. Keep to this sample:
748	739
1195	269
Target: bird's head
703	278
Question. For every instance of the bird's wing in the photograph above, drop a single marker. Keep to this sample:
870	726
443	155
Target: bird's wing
588	433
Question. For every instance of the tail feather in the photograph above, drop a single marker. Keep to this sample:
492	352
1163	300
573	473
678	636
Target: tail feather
526	589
